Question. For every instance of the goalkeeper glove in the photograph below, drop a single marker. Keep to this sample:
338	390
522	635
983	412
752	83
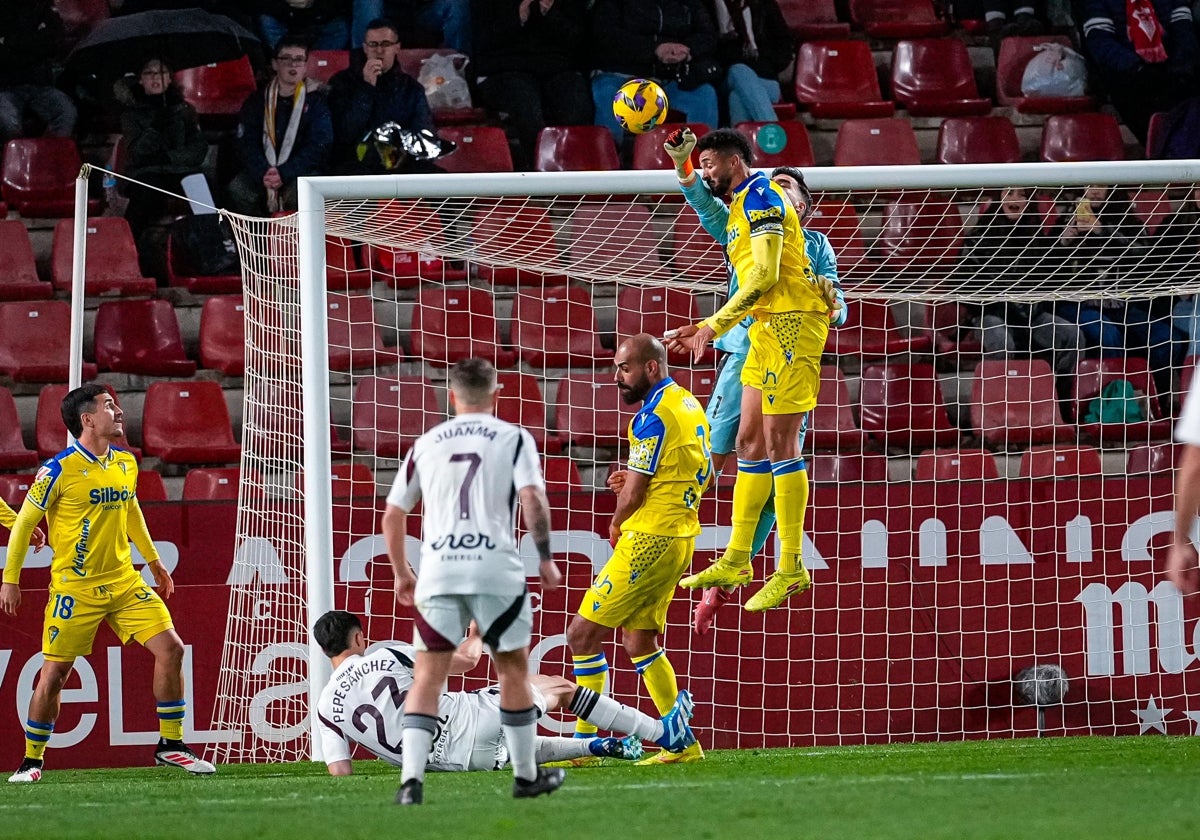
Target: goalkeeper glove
834	299
679	145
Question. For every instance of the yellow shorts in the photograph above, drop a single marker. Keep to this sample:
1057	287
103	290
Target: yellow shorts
785	361
132	609
636	585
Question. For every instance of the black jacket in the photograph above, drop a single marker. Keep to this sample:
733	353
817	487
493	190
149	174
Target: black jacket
543	45
314	138
625	33
161	134
30	37
771	36
358	107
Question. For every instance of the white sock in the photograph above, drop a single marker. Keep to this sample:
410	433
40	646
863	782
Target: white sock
520	730
560	749
606	713
416	740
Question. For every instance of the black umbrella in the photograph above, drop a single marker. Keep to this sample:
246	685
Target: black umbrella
182	38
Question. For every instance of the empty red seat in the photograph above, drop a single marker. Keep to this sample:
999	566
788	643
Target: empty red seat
217	91
813	20
455	323
648	151
699	382
956	465
935	77
1073	137
947	321
871	330
1057	461
1152	205
1156	458
562	475
417	224
111	267
520	401
837	79
323	65
614	240
14	487
885	141
832	422
589	411
150	487
354	340
50	433
897	18
211	484
556	327
39	177
481	148
35	341
838	220
573	148
223	334
391	412
497	249
1091	377
141	337
349	481
188	423
837	467
1156	135
978	140
902	406
180	272
796	149
13	454
1015	52
344	268
1014	404
18	273
922	233
655	310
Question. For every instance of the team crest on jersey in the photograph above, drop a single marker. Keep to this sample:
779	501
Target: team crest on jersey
42	472
595	605
52	632
641	454
633	576
123	465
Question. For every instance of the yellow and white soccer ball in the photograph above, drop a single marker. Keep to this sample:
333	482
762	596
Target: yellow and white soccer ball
639	105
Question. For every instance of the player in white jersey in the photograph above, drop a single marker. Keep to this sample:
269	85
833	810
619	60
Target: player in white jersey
363	700
470	471
1182	566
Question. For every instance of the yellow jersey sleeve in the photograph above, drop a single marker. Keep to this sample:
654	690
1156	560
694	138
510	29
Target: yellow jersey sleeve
7	515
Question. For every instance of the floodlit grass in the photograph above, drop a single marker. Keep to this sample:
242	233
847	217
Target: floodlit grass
1088	788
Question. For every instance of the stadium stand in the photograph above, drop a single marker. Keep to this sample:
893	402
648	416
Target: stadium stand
188	423
140	337
836	79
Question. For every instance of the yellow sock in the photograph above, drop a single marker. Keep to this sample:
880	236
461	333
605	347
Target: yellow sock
37	735
791	502
659	677
170	719
750	493
591	671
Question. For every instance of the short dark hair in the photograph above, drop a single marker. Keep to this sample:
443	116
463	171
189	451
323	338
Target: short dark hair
293	39
727	141
80	401
384	23
474	378
797	176
334	629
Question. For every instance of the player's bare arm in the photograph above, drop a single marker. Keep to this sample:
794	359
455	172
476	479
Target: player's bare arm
395	528
1183	565
535	509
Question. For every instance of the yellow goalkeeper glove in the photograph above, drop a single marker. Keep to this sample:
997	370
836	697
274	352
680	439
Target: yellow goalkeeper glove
831	293
679	145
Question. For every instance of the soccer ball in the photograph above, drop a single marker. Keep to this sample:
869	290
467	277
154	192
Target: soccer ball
640	105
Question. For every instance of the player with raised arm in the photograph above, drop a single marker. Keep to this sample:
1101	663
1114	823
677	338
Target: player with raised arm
781	377
724	406
471	470
653	532
88	492
362	703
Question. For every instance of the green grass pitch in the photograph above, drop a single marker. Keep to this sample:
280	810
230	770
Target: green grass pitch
1089	788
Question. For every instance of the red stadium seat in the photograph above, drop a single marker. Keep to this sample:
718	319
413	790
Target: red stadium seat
416	222
213	484
520	401
591	412
833	425
699	382
223	334
1092	375
188	423
323	65
140	337
13	454
598	232
871	331
1015	52
902	406
556	327
838	220
897	18
496	248
1156	135
573	148
887	141
1060	462
344	270
947	321
455	323
1074	137
935	77
562	475
1155	458
50	433
18	275
150	487
182	274
978	140
14	488
656	310
39	177
348	481
35	341
481	148
354	342
1014	404
390	412
956	465
648	151
796	149
837	467
217	91
111	267
921	231
1152	206
410	61
813	20
837	79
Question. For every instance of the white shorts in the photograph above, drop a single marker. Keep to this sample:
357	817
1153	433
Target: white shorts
475	734
505	621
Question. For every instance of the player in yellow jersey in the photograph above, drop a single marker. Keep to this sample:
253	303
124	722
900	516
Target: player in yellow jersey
8	517
88	492
653	531
791	306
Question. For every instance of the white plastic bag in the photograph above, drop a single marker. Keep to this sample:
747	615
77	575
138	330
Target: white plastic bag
1054	70
445	82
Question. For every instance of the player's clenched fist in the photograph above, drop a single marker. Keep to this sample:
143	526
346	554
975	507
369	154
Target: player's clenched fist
679	145
829	290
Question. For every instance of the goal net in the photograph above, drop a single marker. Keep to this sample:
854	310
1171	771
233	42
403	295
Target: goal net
991	456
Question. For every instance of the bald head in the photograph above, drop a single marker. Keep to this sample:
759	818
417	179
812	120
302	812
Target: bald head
641	363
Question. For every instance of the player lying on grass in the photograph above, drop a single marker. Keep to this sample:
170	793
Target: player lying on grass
364	702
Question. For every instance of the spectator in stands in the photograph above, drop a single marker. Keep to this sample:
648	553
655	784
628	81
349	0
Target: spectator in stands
429	22
528	65
284	131
371	92
1007	248
1145	53
673	41
30	39
325	23
755	47
1013	17
1177	255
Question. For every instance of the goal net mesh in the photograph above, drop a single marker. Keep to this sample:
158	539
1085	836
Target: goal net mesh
991	457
